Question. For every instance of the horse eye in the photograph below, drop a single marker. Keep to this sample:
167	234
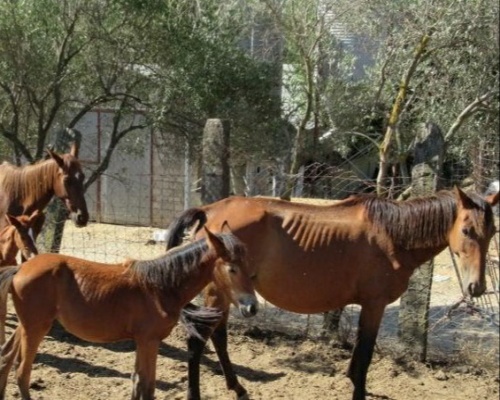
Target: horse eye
231	269
466	231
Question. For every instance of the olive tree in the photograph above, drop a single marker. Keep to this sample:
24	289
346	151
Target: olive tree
436	61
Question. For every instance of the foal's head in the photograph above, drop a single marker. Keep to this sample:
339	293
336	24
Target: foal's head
17	236
69	185
470	238
230	272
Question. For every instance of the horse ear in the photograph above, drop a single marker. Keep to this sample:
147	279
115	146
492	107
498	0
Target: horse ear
463	200
74	150
57	158
11	220
225	227
217	245
34	215
8	219
492	199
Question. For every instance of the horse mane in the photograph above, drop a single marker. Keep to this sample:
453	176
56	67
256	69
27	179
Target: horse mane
170	269
28	180
416	223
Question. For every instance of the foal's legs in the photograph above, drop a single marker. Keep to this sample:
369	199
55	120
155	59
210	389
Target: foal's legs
219	340
195	350
144	376
369	322
31	338
196	346
9	351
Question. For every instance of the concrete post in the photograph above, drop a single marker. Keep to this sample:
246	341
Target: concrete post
215	161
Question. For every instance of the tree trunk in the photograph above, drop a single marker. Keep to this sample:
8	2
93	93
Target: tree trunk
388	154
414	309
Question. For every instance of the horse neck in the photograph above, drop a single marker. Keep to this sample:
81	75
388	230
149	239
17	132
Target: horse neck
37	187
415	231
421	256
192	283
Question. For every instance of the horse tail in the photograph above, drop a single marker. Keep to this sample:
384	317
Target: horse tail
177	228
200	321
6	277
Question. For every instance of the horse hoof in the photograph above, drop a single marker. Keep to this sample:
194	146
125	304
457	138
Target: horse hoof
243	396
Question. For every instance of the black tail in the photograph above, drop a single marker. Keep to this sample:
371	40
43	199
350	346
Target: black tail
200	321
185	220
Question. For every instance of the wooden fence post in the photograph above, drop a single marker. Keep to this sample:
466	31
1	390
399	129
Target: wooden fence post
215	161
415	302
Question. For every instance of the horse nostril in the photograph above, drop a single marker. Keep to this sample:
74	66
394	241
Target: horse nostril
252	309
470	289
80	219
248	310
476	289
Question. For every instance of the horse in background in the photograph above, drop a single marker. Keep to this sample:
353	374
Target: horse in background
137	300
14	238
361	250
17	236
30	187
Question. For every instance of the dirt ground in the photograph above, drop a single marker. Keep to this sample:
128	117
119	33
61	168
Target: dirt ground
286	363
270	365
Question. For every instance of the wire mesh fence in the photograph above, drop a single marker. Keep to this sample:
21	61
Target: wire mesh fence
137	207
135	200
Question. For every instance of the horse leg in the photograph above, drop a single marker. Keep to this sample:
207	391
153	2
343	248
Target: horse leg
219	340
30	340
3	316
369	322
199	329
8	353
195	345
144	376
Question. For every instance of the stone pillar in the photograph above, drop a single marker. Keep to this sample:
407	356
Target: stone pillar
415	302
215	175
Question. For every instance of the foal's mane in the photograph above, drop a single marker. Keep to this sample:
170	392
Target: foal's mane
415	223
170	269
28	180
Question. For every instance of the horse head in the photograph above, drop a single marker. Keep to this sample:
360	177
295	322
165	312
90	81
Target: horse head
470	238
230	272
21	236
69	185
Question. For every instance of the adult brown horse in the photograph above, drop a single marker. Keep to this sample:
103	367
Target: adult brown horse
31	187
362	250
138	300
14	238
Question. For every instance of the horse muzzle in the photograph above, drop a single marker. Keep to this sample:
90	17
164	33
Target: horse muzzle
248	306
476	289
80	218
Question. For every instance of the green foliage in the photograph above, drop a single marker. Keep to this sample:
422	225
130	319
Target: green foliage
460	65
177	63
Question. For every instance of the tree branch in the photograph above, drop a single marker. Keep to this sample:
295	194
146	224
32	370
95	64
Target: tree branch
469	110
